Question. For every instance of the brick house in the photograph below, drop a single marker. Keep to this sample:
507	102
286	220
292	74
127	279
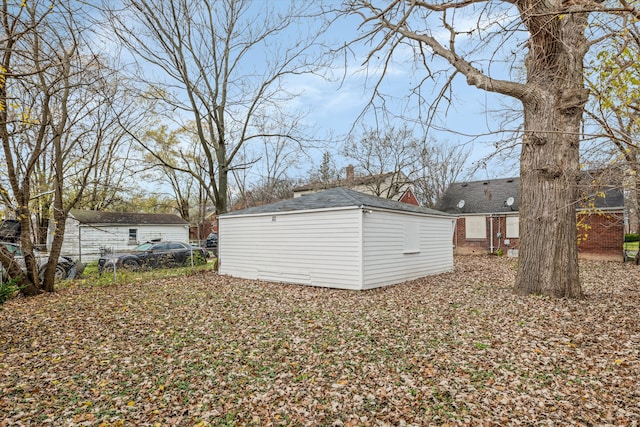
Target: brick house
390	185
200	231
489	221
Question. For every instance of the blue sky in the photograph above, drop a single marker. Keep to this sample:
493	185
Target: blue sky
334	103
470	120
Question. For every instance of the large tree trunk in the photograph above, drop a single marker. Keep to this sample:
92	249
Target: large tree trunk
549	161
31	282
223	177
59	217
635	202
631	186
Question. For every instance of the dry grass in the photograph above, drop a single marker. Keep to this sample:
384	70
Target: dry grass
457	348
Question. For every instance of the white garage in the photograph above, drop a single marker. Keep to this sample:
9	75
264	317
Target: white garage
338	238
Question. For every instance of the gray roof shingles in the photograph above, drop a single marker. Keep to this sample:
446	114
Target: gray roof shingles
481	196
122	218
490	196
335	198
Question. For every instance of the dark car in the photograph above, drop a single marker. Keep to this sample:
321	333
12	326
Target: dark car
66	268
212	242
155	255
10	230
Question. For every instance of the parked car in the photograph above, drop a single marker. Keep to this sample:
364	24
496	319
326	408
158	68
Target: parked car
154	255
66	268
212	243
10	230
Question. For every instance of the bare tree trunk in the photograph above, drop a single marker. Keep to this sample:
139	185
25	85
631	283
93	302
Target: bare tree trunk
631	188
32	282
60	219
549	161
635	198
221	201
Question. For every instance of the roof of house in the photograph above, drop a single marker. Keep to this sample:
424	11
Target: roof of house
346	182
492	196
335	198
481	196
98	217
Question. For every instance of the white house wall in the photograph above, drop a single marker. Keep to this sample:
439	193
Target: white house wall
70	244
319	248
87	241
400	247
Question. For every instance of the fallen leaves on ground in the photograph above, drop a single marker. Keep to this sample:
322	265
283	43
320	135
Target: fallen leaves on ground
203	350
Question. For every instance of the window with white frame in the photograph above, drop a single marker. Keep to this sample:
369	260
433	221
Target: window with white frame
133	236
475	227
513	227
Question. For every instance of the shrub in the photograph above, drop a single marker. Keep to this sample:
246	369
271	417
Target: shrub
631	237
8	289
198	259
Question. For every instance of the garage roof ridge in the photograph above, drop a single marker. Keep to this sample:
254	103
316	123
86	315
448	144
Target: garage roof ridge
337	197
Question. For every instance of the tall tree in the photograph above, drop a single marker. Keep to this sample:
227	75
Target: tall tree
117	114
326	171
261	173
225	63
166	146
552	95
399	159
382	154
614	81
169	158
439	166
23	118
53	93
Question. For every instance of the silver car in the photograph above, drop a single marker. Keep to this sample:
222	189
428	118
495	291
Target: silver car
66	268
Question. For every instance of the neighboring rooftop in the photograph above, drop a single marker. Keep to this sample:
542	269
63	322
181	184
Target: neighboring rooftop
334	198
488	196
503	196
98	217
349	181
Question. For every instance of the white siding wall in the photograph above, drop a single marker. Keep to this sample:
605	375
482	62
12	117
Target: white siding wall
320	248
116	238
392	254
70	244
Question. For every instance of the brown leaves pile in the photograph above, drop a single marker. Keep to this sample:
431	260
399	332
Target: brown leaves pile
453	349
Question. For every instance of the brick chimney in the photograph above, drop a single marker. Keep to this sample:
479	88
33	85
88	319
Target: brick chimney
350	172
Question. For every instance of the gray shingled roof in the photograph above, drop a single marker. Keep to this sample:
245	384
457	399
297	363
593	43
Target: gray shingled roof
487	196
490	196
122	218
335	198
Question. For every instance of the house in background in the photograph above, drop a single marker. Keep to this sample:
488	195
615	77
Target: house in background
200	231
390	185
337	238
88	234
489	219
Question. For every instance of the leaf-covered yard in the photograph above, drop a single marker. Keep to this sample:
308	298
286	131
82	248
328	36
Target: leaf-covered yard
457	348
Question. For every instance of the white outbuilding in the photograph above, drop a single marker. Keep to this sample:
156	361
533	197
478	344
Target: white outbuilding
88	234
338	238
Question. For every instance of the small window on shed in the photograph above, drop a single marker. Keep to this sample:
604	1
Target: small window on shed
411	238
133	236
